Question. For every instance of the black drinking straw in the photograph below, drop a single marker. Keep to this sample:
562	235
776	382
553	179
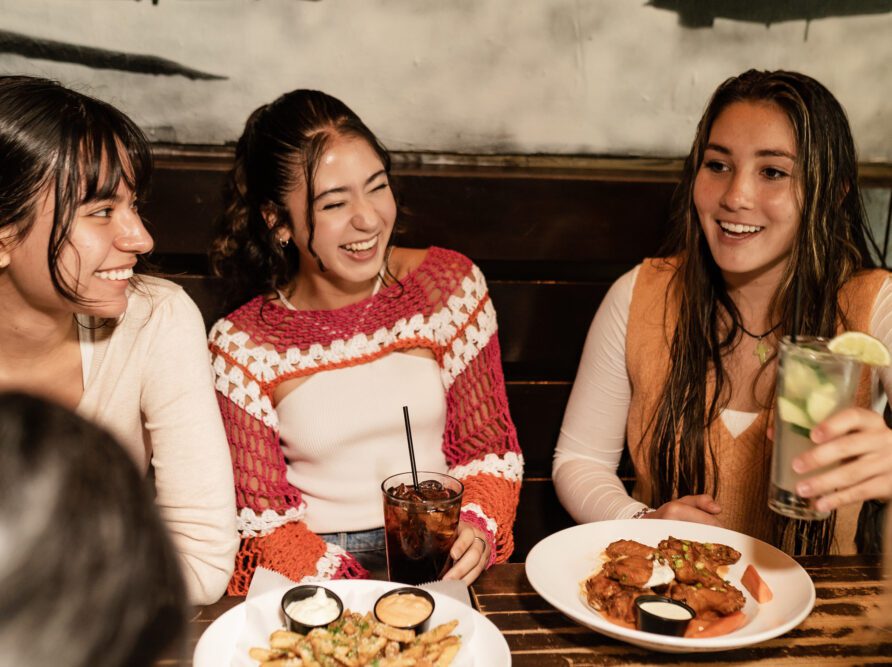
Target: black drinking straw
411	448
797	298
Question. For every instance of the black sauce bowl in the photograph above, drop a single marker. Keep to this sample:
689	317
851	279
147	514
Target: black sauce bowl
648	621
422	625
302	593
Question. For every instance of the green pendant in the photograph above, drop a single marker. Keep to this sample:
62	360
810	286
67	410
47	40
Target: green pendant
762	350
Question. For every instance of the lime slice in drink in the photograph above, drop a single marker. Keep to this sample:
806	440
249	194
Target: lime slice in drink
821	402
866	349
800	379
793	414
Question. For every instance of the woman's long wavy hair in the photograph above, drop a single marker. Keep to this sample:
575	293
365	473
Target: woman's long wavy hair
77	147
832	243
279	149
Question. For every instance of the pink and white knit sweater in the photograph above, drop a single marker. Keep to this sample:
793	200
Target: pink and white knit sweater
444	306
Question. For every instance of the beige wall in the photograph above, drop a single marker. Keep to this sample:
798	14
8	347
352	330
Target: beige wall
615	77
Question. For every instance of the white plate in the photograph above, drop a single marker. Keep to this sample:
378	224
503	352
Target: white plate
557	564
486	648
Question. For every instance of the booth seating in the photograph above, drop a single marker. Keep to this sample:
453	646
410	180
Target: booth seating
550	234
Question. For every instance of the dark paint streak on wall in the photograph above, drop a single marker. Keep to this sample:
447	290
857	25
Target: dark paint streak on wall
702	13
47	49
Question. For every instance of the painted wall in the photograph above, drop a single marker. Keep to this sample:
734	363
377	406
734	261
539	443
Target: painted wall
608	77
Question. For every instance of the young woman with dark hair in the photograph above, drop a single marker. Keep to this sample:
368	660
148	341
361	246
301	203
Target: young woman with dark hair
680	360
339	331
79	327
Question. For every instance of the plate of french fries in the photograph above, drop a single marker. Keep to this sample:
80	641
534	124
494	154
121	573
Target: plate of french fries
253	634
358	639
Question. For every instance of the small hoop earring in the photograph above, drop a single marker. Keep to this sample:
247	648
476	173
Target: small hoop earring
284	242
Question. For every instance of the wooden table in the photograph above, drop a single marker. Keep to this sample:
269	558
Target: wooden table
838	631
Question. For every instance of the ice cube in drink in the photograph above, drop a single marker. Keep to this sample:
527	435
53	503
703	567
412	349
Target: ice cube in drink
812	384
420	525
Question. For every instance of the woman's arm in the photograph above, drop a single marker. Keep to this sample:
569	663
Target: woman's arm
881	327
480	440
270	510
594	428
190	458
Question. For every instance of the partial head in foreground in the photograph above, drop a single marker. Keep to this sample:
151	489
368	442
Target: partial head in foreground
88	573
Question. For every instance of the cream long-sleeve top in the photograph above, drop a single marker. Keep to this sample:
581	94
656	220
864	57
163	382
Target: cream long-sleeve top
148	380
339	464
594	428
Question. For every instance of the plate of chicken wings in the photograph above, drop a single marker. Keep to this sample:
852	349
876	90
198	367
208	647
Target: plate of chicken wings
743	590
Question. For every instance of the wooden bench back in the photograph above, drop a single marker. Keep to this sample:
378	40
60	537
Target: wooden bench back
550	236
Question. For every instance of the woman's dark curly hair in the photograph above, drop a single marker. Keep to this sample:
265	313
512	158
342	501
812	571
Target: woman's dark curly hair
279	149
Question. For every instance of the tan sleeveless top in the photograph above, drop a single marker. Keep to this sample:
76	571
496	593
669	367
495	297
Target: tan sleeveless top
744	461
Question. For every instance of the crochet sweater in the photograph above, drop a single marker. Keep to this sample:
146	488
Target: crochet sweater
442	305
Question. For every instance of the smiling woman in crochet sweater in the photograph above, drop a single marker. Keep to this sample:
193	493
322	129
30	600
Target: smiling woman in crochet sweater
338	332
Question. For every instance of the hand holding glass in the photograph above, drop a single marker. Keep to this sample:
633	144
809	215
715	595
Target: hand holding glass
812	384
420	525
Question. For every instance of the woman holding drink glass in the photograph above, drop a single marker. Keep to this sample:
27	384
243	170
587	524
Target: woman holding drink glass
335	331
79	327
681	357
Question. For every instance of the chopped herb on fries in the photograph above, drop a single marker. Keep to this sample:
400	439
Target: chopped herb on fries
355	640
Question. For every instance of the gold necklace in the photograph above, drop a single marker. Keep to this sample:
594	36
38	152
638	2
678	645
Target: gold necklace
763	349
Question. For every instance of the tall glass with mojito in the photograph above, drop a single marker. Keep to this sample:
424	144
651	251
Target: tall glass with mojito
812	384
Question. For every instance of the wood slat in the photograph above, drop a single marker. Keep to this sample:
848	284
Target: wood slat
542	326
537	409
539	514
838	632
667	169
181	209
532	219
488	218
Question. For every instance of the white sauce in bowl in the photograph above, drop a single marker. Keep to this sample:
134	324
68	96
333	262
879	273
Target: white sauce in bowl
666	610
319	609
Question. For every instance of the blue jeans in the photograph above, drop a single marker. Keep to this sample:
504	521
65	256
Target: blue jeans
367	546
